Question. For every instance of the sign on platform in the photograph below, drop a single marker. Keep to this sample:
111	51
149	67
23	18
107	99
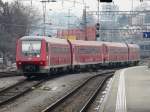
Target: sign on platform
146	34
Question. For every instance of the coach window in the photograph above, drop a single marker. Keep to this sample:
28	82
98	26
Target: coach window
47	47
31	48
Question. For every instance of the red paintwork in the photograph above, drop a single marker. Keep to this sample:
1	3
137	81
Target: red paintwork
63	53
85	53
52	58
134	53
115	52
59	58
31	60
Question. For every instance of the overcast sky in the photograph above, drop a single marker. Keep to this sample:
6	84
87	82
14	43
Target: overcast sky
123	5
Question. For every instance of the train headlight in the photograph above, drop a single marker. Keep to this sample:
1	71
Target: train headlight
19	63
41	63
38	56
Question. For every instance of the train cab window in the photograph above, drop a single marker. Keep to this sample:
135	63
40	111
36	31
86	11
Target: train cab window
31	48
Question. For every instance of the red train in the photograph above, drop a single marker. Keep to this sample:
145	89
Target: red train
39	54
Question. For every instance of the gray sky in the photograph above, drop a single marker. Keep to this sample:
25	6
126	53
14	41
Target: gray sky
123	5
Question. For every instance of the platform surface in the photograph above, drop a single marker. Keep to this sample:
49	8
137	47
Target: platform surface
130	91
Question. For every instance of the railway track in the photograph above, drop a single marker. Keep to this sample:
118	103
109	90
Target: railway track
78	99
9	74
17	90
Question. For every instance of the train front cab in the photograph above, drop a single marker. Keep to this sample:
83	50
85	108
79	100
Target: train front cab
31	57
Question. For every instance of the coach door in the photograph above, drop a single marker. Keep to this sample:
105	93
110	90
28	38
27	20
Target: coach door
105	53
47	54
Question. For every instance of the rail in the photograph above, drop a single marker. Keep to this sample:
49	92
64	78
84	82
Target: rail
97	79
17	90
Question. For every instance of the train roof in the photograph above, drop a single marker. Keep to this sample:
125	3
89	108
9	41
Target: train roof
133	46
115	44
82	42
47	39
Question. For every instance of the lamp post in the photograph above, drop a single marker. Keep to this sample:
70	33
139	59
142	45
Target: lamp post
98	11
44	13
98	18
85	20
68	20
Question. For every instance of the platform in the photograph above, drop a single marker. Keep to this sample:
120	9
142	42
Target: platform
129	92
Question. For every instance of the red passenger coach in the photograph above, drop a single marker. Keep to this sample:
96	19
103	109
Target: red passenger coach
38	54
59	53
87	53
115	53
134	53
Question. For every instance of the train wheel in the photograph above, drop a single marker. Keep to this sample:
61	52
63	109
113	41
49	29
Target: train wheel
49	72
28	76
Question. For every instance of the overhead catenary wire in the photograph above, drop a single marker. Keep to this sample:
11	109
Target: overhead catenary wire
32	26
40	27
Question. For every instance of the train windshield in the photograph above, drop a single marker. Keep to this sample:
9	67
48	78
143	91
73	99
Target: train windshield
31	48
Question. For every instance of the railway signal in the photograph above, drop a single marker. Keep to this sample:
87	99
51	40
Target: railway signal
146	34
97	29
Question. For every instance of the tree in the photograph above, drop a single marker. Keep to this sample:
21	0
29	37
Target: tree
15	21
